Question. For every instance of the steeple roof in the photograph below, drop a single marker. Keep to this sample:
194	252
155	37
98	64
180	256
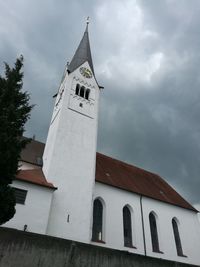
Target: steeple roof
82	54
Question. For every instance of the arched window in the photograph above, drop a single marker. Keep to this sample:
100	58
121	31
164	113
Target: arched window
87	93
97	228
127	227
154	232
82	91
77	89
177	237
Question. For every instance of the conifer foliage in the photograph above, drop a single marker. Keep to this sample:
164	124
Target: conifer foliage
14	113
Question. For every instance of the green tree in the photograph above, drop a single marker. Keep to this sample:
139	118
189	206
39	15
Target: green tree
14	113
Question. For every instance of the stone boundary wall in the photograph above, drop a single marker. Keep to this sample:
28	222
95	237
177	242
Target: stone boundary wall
24	249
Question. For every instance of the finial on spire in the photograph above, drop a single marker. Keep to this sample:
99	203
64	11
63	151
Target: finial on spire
87	22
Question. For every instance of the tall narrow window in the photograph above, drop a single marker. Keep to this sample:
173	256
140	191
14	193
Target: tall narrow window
177	237
77	89
154	232
97	221
82	91
127	227
87	93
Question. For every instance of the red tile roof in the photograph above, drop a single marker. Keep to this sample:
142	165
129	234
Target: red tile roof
133	179
33	151
34	176
114	173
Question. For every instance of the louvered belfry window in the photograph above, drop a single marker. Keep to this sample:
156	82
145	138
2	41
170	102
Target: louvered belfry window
87	93
20	195
154	233
97	221
127	227
177	238
82	91
77	89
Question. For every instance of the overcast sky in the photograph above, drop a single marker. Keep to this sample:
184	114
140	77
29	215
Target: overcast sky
147	56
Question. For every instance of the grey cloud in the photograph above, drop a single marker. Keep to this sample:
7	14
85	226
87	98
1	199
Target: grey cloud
157	129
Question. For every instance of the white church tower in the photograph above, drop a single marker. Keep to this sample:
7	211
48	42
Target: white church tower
70	152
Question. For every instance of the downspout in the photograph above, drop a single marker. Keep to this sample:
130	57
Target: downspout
145	251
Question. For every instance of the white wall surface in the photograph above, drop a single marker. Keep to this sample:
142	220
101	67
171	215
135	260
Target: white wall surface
69	159
189	229
197	206
115	199
35	211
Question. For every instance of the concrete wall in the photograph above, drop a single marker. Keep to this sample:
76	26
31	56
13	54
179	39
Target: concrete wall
189	227
35	212
23	249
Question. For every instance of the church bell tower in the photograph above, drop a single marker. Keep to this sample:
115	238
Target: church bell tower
70	152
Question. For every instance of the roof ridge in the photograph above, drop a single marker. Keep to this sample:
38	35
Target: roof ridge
33	140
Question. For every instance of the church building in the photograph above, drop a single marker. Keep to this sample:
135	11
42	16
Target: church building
66	189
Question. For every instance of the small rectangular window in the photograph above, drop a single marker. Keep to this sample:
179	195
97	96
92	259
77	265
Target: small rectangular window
20	195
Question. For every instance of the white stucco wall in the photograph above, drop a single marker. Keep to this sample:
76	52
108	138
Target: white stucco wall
69	159
35	212
115	199
189	229
197	206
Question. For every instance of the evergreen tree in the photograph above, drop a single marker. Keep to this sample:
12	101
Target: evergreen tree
14	112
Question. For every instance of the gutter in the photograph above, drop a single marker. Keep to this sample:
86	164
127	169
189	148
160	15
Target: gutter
144	240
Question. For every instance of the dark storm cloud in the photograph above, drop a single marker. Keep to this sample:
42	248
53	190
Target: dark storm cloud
151	130
156	125
145	53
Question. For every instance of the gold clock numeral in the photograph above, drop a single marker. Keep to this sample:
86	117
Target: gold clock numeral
85	72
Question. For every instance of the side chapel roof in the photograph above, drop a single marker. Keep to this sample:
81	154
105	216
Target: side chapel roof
34	176
114	173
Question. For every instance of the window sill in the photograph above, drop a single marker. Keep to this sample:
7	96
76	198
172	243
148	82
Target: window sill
158	252
130	247
182	255
98	241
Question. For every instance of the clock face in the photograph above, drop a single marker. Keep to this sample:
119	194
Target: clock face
85	72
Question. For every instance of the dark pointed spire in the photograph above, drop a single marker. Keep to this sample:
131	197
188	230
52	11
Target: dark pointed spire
82	53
